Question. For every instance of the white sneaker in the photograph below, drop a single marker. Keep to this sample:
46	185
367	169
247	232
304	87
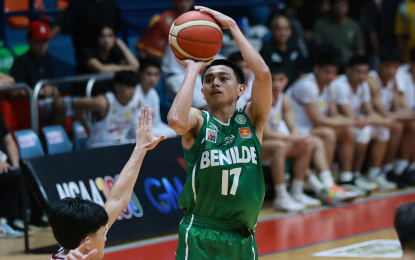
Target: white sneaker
7	232
287	203
383	184
306	200
365	184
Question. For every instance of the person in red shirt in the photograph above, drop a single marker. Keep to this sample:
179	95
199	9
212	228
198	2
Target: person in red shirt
154	39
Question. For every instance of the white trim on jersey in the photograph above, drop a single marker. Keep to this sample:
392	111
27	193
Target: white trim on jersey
253	249
187	235
194	182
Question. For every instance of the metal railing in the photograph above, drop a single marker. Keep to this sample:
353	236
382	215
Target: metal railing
28	90
64	80
91	82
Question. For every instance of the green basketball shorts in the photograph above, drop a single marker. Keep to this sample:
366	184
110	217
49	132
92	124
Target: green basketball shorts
203	238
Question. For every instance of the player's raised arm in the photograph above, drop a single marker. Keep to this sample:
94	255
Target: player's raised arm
121	193
182	117
261	88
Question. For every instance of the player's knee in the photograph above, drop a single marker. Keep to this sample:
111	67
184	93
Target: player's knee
382	134
280	148
362	136
348	135
329	134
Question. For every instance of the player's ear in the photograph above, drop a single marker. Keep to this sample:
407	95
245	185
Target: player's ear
203	94
86	239
241	89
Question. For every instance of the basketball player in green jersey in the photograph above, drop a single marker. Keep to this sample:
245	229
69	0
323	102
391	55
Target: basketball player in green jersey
225	189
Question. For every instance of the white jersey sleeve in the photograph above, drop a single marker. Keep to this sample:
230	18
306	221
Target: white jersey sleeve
366	92
306	92
341	92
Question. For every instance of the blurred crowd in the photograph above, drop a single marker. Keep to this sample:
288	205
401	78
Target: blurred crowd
343	74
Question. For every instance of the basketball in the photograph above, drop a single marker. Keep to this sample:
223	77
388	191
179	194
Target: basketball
195	35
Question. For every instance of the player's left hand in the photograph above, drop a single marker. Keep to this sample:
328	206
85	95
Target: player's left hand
224	20
144	136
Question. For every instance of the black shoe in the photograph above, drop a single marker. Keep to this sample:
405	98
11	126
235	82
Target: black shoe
39	223
408	177
391	176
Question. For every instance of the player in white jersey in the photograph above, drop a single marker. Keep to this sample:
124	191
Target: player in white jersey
315	112
80	226
282	140
386	100
150	71
115	113
352	94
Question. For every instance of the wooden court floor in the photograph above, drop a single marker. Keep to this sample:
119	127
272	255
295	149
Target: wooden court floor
279	236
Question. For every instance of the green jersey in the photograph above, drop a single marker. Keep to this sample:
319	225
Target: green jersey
225	172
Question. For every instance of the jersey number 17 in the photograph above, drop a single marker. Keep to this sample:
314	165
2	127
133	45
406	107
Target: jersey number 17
225	181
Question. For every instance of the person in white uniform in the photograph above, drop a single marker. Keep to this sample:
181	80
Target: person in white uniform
315	112
150	72
352	94
237	58
387	100
283	140
116	113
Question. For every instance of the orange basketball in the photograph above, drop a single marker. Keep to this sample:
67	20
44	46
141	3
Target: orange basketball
195	35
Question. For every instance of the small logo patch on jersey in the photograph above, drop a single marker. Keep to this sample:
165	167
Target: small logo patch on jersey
213	126
211	135
240	119
245	132
229	139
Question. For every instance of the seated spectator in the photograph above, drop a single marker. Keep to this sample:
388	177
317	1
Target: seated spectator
82	18
37	64
352	95
249	78
405	28
385	100
116	113
150	71
286	49
405	81
154	40
10	189
315	113
109	54
405	228
342	32
6	80
283	140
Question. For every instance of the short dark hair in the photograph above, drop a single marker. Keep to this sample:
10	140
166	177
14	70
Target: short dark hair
327	58
389	55
149	61
412	55
100	27
72	219
126	77
358	60
236	57
238	72
277	70
405	225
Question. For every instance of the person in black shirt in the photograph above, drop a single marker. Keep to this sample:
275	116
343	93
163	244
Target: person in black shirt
81	19
37	64
286	49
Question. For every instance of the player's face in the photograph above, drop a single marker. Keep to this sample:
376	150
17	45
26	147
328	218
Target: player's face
279	83
326	74
182	6
388	68
220	86
246	70
358	73
97	241
107	39
150	77
126	93
281	30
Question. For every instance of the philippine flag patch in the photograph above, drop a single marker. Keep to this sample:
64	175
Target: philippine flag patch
211	135
245	132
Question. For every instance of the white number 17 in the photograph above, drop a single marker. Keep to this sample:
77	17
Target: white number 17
225	181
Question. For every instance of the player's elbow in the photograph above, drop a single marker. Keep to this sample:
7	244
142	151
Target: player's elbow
262	72
177	125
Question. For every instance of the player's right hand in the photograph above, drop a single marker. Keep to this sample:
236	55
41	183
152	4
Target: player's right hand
144	136
78	254
361	121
